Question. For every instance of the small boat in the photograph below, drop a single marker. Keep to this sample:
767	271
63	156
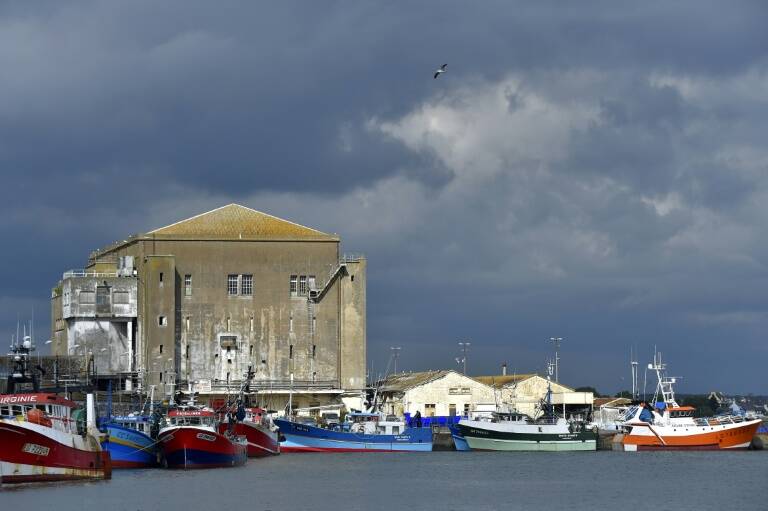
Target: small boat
362	432
129	441
190	438
258	429
669	426
45	437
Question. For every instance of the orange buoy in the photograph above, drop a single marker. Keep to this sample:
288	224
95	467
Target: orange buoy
36	416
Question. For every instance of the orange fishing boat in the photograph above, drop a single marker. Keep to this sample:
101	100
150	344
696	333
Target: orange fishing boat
669	426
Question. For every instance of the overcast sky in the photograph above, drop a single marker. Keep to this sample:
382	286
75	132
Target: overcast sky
589	170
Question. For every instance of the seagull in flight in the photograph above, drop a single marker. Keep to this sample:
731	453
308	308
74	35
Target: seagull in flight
441	70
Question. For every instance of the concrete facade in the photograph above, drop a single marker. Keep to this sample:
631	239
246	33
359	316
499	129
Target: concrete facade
235	288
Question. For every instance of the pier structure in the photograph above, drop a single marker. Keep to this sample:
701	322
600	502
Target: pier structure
204	299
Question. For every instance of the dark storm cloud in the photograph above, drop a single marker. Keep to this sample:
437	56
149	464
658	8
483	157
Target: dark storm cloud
590	170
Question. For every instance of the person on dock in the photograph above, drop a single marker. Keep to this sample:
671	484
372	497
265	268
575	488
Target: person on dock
417	419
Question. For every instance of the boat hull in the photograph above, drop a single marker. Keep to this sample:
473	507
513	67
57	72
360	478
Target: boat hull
306	438
34	453
645	437
189	448
261	440
459	442
480	439
129	448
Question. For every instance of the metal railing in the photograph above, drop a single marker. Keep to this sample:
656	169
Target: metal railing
84	273
266	385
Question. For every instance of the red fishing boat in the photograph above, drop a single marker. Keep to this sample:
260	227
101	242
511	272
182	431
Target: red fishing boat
190	438
41	438
259	430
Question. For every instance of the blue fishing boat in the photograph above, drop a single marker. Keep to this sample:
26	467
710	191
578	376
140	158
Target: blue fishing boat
129	441
361	432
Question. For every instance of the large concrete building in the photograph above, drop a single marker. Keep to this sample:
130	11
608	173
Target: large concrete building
199	301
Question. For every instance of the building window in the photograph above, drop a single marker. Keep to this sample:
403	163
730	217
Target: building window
290	325
187	285
161	349
251	350
187	323
311	282
161	277
162	321
290	352
303	285
314	325
314	350
161	376
121	297
232	284
293	288
466	409
452	410
103	301
246	287
429	409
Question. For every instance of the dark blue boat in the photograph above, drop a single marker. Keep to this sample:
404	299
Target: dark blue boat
364	432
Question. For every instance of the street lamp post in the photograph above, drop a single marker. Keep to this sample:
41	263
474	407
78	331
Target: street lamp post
395	354
556	341
464	346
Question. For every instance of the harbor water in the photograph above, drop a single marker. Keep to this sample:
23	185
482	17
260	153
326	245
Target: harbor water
437	481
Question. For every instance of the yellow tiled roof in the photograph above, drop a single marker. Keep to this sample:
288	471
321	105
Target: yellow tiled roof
502	379
235	221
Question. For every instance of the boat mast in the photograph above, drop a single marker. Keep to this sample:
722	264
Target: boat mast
664	385
633	364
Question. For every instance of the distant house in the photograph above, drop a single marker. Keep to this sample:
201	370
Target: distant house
435	393
525	392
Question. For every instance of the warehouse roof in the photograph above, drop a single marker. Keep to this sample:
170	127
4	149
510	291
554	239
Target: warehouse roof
502	379
404	381
236	221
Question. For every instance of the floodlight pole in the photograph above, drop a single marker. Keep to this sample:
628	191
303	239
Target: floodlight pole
395	354
556	341
464	346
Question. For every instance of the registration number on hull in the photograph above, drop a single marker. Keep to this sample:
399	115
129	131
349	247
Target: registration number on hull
38	450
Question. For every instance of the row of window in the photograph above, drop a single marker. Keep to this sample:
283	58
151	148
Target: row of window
242	285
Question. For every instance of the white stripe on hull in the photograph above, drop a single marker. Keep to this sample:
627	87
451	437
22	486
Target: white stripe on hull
488	444
251	444
9	472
